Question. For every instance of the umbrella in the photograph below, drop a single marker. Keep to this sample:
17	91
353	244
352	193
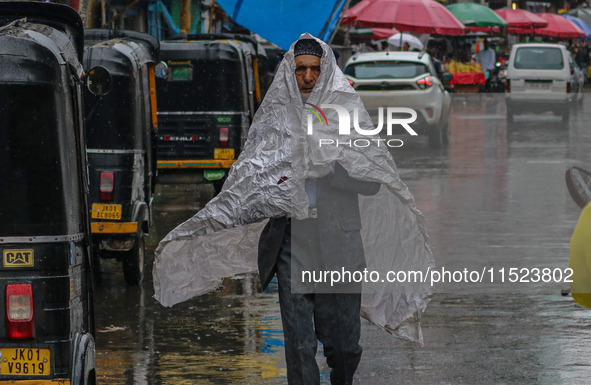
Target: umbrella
476	15
371	33
580	23
420	16
399	39
521	21
559	27
582	13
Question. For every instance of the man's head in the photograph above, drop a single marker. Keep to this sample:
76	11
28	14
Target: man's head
307	54
486	44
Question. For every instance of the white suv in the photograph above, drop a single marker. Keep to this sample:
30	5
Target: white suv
541	78
403	79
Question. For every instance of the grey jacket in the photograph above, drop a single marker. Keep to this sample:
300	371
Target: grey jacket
339	225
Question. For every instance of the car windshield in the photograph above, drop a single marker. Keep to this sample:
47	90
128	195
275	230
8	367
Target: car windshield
386	70
539	58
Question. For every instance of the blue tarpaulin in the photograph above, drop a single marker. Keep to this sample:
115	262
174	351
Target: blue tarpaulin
283	21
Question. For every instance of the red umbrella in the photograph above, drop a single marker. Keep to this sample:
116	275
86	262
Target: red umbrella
559	27
521	21
420	16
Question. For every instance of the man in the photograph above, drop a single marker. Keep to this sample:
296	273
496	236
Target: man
582	57
332	318
487	59
317	198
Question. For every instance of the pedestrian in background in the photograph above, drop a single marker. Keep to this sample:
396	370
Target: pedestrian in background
582	57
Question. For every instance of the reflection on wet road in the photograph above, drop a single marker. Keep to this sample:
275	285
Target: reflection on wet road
496	198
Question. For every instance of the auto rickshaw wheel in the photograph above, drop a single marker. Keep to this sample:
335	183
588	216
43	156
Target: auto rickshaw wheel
133	263
84	360
217	185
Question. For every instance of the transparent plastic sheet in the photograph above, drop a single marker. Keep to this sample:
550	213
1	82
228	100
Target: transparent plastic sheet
268	181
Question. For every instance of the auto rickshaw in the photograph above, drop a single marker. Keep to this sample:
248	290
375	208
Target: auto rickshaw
46	311
120	135
206	102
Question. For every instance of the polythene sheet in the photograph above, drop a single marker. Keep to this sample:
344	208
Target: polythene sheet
268	180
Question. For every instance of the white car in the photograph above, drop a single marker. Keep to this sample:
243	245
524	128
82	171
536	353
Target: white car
541	77
403	79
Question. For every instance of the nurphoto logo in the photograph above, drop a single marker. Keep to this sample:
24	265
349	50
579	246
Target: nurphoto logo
393	118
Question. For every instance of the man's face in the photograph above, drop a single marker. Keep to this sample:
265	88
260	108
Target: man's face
307	72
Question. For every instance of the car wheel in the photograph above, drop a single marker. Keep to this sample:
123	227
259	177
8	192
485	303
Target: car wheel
435	137
217	185
133	262
510	116
445	134
565	115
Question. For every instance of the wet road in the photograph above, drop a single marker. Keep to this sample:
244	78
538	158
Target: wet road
495	199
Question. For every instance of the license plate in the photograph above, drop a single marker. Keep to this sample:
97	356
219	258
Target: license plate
102	211
540	86
211	175
25	362
223	153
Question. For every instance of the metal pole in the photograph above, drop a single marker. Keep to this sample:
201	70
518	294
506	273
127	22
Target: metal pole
185	16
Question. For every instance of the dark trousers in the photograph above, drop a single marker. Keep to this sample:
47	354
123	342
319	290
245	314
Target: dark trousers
331	318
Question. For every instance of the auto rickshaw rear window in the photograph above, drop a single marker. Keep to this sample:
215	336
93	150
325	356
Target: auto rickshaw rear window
111	116
31	192
203	85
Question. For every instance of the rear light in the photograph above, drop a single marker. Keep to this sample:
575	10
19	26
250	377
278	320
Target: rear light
107	186
508	86
425	82
429	112
19	311
224	137
568	88
350	82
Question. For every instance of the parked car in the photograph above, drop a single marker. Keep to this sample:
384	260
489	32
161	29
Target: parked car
206	103
540	78
404	79
120	135
46	316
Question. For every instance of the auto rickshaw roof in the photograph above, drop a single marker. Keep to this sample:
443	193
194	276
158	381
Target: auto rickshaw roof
92	36
257	48
202	50
58	16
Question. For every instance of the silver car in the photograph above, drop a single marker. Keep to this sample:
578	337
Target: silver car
404	79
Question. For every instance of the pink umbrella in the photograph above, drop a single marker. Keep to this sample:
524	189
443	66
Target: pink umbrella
559	27
420	16
521	22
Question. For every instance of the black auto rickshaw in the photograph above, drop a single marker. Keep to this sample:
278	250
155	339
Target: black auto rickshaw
207	102
120	135
46	312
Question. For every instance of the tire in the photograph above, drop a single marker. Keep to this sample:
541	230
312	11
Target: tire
435	135
510	116
84	360
133	262
445	134
565	115
217	185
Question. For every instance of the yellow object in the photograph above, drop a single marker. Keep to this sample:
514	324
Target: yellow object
35	382
113	227
198	163
456	67
580	259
